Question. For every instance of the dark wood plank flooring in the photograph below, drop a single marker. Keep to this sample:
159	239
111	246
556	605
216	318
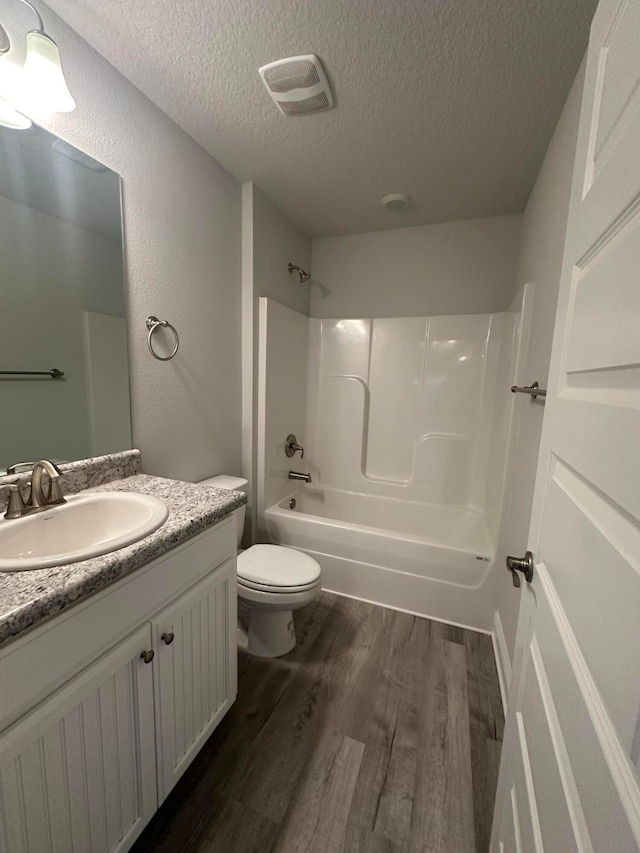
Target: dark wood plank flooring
380	733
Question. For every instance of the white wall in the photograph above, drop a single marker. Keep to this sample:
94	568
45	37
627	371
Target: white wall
282	385
52	271
540	262
269	242
455	268
182	224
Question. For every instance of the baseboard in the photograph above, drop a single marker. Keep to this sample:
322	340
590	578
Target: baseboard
503	663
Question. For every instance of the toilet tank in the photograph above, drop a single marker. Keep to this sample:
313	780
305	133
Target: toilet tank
235	484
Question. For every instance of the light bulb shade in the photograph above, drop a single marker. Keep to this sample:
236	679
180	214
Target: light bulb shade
12	118
45	88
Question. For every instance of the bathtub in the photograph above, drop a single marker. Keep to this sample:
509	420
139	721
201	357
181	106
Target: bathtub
426	559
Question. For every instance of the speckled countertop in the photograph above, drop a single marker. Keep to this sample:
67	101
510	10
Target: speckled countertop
28	597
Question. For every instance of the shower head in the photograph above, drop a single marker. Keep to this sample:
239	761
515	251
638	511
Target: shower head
304	276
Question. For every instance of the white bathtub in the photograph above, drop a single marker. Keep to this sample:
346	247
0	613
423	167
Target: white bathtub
430	560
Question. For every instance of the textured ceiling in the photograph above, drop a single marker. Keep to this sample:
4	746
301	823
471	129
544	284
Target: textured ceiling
451	101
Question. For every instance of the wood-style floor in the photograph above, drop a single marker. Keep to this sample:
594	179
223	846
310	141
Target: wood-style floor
380	733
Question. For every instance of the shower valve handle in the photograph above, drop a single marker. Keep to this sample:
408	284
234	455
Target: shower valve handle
291	446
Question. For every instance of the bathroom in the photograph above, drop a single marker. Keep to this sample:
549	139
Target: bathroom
369	281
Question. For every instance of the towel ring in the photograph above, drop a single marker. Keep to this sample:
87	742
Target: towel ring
153	324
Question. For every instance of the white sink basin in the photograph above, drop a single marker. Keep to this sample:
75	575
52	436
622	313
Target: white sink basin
85	526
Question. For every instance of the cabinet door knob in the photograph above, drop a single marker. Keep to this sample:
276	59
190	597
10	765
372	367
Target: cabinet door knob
147	656
167	638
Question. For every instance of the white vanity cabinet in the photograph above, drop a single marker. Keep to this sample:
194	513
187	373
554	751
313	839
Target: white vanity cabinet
196	671
78	772
103	707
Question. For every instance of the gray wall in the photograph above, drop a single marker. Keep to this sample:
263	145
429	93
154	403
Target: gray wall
182	215
269	241
276	241
455	268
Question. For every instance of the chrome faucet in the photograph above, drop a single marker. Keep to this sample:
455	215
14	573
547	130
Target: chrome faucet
298	475
37	500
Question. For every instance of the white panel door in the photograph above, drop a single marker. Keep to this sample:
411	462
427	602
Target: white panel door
196	670
78	773
569	777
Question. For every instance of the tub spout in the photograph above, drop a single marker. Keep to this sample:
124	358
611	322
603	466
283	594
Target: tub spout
298	475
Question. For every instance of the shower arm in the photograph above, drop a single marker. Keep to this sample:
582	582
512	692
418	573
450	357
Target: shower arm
304	275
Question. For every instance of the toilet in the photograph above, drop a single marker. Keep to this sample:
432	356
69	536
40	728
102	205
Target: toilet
273	581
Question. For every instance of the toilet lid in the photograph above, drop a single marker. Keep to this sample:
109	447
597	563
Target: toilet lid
277	566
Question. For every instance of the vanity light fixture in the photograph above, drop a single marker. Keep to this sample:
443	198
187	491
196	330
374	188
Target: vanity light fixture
45	86
41	88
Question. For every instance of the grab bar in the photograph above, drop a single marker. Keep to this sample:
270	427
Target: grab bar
534	389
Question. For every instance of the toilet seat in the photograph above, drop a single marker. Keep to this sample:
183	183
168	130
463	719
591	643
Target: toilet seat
277	569
261	587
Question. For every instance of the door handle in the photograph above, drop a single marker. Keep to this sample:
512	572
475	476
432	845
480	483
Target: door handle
521	564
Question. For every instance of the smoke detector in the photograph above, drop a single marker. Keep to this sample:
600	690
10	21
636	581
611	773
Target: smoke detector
298	85
396	202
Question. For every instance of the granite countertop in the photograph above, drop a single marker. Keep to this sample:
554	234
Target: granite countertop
26	598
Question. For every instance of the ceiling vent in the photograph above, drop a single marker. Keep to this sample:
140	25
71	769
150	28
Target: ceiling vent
298	85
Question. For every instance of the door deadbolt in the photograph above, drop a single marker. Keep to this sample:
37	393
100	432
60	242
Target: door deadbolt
521	564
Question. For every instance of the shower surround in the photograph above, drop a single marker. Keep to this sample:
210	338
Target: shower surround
405	423
403	407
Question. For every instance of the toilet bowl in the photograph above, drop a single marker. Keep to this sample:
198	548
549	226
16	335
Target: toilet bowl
272	582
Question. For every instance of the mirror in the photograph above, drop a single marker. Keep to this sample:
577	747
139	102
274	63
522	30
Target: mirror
62	303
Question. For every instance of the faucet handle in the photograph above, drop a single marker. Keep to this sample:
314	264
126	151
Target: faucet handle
291	446
55	493
15	507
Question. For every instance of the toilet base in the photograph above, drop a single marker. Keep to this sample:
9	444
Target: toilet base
265	619
266	633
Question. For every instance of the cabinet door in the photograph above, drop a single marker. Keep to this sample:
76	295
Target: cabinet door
196	671
78	773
